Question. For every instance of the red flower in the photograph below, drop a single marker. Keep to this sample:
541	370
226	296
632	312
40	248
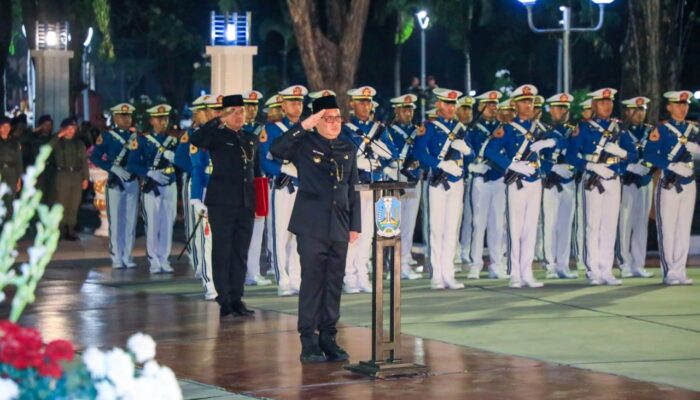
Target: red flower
8	328
29	338
50	369
59	350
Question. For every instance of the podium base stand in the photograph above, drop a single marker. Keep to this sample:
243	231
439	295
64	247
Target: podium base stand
384	370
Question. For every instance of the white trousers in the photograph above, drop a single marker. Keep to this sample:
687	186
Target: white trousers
253	266
634	225
465	236
122	212
558	216
602	212
579	226
160	212
202	242
286	257
674	216
522	212
488	201
445	210
410	203
360	251
190	220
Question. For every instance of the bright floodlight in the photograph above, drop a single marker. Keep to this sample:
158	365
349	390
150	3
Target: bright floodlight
87	41
51	39
603	1
697	95
423	19
527	2
472	92
230	32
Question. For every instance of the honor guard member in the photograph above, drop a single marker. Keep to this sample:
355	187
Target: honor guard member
579	219
431	115
538	104
514	149
465	116
230	200
72	174
375	154
251	101
637	194
148	160
403	134
599	149
11	163
488	195
182	161
326	217
671	147
273	109
444	151
559	194
505	111
111	152
283	174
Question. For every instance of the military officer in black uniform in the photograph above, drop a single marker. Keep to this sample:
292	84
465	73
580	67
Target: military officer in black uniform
230	199
10	164
326	216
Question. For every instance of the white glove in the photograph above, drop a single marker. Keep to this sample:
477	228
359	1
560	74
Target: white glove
638	169
289	169
381	150
364	164
159	177
562	170
461	146
391	172
522	167
479	168
681	169
693	147
199	207
169	155
613	148
120	172
542	144
600	169
451	167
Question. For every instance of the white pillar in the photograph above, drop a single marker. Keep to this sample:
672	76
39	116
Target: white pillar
52	83
231	68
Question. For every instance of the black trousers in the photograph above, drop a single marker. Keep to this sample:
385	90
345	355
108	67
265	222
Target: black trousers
322	272
231	231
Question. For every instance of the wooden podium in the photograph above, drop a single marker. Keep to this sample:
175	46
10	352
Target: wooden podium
386	345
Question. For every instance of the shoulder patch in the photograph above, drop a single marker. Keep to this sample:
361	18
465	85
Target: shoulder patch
134	144
193	149
421	130
99	140
654	136
184	138
263	135
499	132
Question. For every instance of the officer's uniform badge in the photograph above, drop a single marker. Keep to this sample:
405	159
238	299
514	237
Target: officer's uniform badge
184	138
654	135
99	140
134	144
193	149
498	133
388	216
263	136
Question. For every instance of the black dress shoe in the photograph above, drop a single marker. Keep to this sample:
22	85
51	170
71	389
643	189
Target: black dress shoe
312	354
330	347
240	308
225	310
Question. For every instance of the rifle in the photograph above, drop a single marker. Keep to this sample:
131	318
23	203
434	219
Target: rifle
512	176
440	177
594	179
671	179
553	179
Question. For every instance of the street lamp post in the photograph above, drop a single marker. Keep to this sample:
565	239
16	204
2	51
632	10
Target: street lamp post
423	21
565	30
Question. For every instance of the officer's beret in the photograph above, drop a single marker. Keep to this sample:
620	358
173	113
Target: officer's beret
44	118
324	103
67	122
233	100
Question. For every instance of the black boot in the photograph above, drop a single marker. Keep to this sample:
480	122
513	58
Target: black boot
225	309
330	347
240	308
310	351
70	234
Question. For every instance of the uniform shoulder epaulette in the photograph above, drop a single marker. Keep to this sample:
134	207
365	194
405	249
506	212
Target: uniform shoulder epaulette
193	149
134	144
499	132
99	140
420	130
185	138
263	135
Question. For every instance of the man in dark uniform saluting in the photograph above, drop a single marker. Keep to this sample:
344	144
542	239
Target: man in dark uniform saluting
230	200
326	216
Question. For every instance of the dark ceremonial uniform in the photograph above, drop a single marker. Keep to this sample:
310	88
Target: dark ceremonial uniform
10	168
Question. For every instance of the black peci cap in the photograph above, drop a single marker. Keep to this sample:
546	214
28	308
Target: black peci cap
324	103
67	122
233	100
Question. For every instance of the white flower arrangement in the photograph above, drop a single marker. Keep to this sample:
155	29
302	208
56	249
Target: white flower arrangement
8	389
117	378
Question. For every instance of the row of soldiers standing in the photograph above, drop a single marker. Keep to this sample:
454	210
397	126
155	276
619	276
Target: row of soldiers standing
486	175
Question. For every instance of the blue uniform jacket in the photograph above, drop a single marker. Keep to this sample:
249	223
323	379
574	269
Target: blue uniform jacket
182	152
585	143
380	135
639	135
429	146
661	142
143	153
201	171
108	147
505	143
272	166
556	155
478	137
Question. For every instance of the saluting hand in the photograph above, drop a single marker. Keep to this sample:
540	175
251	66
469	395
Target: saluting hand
353	236
313	120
